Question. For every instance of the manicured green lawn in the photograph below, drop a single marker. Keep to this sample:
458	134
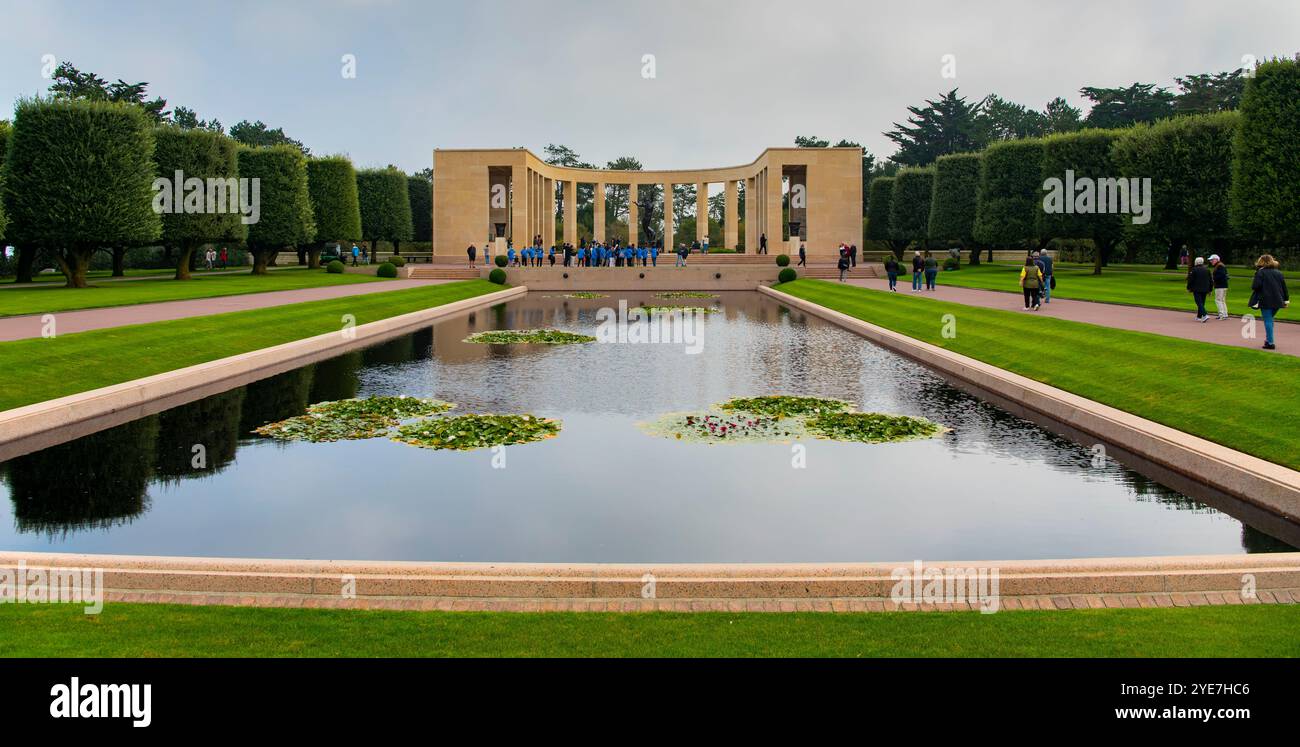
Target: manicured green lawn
139	272
47	297
67	364
1238	397
1157	289
147	630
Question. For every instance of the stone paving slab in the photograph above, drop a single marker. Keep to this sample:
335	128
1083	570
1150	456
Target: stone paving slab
583	604
1165	322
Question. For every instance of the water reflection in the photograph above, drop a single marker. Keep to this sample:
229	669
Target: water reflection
995	486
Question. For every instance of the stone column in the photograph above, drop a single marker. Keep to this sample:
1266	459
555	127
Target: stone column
633	215
730	231
571	213
701	211
772	198
548	228
750	217
669	244
518	206
598	214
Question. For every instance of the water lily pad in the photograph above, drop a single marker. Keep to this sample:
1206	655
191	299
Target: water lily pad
714	426
528	337
465	432
871	427
397	408
784	406
352	419
674	309
686	294
585	294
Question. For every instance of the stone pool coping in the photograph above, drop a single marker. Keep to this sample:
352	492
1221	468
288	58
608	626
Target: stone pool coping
1022	584
37	426
1248	478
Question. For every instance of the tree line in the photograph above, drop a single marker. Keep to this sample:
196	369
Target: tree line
81	169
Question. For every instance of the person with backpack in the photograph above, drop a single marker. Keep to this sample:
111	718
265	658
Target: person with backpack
843	265
1031	283
891	271
1220	286
1199	284
1268	294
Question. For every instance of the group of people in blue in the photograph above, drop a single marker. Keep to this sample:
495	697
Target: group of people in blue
609	254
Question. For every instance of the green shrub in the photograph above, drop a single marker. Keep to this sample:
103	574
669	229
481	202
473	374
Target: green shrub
497	276
385	205
1088	154
879	195
951	263
335	267
953	203
909	209
398	261
207	155
79	176
387	270
1010	192
332	186
1265	195
783	260
420	191
500	260
286	218
787	275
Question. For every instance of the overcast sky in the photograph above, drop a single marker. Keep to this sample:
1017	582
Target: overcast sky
732	77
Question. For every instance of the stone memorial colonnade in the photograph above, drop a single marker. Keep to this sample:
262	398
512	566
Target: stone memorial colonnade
510	192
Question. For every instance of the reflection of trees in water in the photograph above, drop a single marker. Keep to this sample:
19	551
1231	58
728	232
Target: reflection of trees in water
392	352
212	422
276	398
95	482
1253	541
336	378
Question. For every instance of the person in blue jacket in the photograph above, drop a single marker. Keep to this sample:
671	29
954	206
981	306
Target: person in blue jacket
582	256
642	254
510	256
654	255
551	255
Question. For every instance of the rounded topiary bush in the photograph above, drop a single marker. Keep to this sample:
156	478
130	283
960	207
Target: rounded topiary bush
787	275
500	260
951	263
498	275
398	261
387	270
335	267
782	260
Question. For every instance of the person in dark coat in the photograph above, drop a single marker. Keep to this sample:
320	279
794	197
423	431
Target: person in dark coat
1200	284
1268	294
803	255
891	269
471	251
917	265
843	265
1220	285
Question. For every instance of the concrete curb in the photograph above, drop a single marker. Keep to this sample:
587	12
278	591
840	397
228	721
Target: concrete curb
37	426
413	580
1248	478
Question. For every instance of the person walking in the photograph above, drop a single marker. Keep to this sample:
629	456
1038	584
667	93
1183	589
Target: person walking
1220	286
803	255
891	271
1268	294
843	266
654	255
917	265
931	271
1199	284
1047	265
356	254
472	251
224	257
762	243
853	255
1031	283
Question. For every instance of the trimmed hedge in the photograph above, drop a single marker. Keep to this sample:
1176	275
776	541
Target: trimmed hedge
1265	194
335	267
879	196
783	260
387	270
497	276
4	147
500	260
787	275
1088	154
420	192
955	197
79	176
332	187
385	205
1010	192
398	261
286	218
206	155
909	208
1189	162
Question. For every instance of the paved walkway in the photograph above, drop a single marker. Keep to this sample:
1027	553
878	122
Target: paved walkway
23	327
162	274
1137	318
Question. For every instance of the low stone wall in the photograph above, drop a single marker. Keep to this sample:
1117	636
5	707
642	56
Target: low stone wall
34	427
665	277
1248	478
